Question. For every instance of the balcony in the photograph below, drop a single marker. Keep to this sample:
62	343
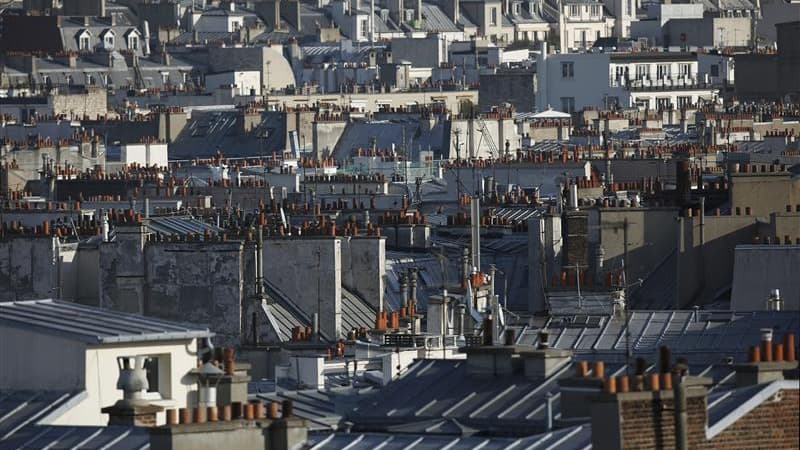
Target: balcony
669	83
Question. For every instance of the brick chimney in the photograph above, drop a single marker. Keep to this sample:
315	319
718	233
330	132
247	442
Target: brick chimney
639	420
768	361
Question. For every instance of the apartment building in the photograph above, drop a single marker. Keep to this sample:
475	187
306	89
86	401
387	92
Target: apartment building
654	80
579	22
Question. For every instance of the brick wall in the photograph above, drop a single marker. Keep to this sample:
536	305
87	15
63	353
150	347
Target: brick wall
771	425
649	424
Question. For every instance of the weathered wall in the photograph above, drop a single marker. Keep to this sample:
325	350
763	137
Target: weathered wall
122	271
364	267
197	282
27	268
326	135
309	271
517	87
91	104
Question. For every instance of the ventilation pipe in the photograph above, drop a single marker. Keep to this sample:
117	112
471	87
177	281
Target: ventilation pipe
775	302
146	28
104	226
475	222
573	197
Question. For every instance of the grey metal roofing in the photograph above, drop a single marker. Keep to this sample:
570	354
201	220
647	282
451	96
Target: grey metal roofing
180	225
434	19
21	410
711	5
207	132
577	437
439	397
702	335
429	278
433	389
520	214
93	325
356	313
359	133
316	406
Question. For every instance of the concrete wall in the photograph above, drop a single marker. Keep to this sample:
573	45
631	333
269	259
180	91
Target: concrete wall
28	268
475	144
427	52
517	87
326	135
705	271
764	192
309	271
651	237
201	283
92	103
122	271
364	268
760	268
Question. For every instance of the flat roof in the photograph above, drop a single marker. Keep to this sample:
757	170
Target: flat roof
93	325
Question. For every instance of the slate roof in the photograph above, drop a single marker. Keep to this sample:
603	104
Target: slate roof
700	336
439	397
21	410
316	406
207	132
577	437
434	19
93	325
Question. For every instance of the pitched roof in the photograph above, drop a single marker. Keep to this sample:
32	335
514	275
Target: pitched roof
93	325
700	336
20	411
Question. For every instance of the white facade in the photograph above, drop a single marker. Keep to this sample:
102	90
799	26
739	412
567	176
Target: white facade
245	82
580	24
148	154
41	361
571	82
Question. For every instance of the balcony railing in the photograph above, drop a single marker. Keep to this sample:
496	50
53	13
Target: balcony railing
668	83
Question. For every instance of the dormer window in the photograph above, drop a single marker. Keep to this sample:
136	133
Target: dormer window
108	38
84	40
132	36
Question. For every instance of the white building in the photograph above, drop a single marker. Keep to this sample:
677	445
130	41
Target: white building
145	154
61	346
244	82
655	80
580	22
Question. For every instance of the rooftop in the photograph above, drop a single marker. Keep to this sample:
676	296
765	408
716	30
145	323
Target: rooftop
93	325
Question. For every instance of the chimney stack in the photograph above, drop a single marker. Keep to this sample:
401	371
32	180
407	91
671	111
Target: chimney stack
768	361
132	410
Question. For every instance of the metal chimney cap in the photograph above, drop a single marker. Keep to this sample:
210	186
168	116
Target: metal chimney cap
208	370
